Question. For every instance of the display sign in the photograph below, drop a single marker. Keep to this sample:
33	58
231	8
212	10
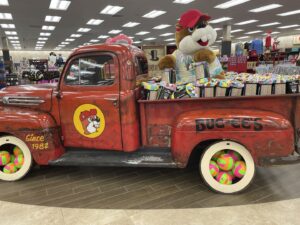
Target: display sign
237	64
296	40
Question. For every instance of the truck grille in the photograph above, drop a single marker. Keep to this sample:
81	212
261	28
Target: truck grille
19	100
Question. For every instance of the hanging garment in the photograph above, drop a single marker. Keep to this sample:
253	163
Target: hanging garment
258	46
268	41
239	49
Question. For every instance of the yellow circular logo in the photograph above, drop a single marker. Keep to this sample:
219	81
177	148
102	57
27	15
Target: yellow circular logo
89	120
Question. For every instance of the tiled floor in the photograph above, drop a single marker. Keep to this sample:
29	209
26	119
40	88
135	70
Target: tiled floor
142	188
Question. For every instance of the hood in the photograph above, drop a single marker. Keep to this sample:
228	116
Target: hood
32	96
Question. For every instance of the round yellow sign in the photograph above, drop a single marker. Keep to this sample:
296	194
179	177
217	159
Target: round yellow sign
89	120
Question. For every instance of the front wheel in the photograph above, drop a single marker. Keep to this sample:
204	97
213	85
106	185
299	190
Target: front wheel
15	158
227	167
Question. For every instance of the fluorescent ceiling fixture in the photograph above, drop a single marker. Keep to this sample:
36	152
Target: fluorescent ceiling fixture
45	34
61	45
111	10
254	32
41	42
237	30
7	26
48	27
103	36
154	13
84	30
142	33
70	39
218	41
171	43
87	43
13	38
94	40
4	2
170	39
289	13
137	42
297	29
166	34
246	22
115	31
231	3
39	46
289	26
53	19
162	26
5	16
18	48
265	8
131	37
216	29
183	1
65	43
59	4
94	22
269	24
131	24
42	39
222	19
15	42
244	37
150	39
76	35
10	32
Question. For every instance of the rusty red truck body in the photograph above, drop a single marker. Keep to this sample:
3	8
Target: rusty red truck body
103	122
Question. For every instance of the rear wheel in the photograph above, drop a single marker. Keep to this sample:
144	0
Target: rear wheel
15	158
227	167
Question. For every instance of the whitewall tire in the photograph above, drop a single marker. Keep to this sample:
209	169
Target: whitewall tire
27	158
213	184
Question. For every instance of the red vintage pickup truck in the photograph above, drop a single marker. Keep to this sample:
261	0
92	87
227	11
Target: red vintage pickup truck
95	116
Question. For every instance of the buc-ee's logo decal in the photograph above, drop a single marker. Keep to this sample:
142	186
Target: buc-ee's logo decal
89	120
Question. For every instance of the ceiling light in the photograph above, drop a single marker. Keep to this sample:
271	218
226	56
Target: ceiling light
246	22
131	24
154	13
231	3
268	24
131	37
76	35
39	46
59	4
18	48
41	42
8	26
61	45
289	13
87	43
297	29
103	36
150	39
42	39
53	19
162	26
115	31
265	8
137	42
70	39
10	32
183	1
170	39
218	41
142	33
254	32
94	22
111	10
4	2
289	26
5	16
94	40
15	42
235	31
48	27
244	37
172	43
166	34
65	43
84	30
223	19
13	38
216	29
45	34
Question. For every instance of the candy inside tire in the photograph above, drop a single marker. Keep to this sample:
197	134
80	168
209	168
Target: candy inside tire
27	158
212	183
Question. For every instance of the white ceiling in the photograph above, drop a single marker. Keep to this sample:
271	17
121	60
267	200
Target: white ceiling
29	16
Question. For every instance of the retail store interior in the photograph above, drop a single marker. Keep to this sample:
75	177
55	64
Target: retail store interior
146	95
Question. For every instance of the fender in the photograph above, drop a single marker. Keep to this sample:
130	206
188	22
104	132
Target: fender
37	129
263	133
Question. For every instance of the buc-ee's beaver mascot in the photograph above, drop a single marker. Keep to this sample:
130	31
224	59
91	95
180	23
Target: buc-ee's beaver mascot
193	38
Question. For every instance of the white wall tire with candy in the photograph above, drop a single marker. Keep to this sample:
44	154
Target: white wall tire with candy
27	158
213	183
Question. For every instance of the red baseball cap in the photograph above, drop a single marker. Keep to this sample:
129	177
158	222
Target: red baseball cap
191	17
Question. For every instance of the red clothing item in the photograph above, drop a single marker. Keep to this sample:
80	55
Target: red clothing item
268	41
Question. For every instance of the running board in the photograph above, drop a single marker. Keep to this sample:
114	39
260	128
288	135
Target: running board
141	158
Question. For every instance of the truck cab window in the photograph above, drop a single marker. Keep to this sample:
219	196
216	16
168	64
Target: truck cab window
91	71
141	65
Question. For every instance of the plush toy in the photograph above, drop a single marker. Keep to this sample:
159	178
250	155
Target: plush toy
225	162
193	38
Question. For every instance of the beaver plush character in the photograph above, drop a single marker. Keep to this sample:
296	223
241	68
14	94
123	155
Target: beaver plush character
193	38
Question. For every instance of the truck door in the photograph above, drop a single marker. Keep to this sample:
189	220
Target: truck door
89	102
